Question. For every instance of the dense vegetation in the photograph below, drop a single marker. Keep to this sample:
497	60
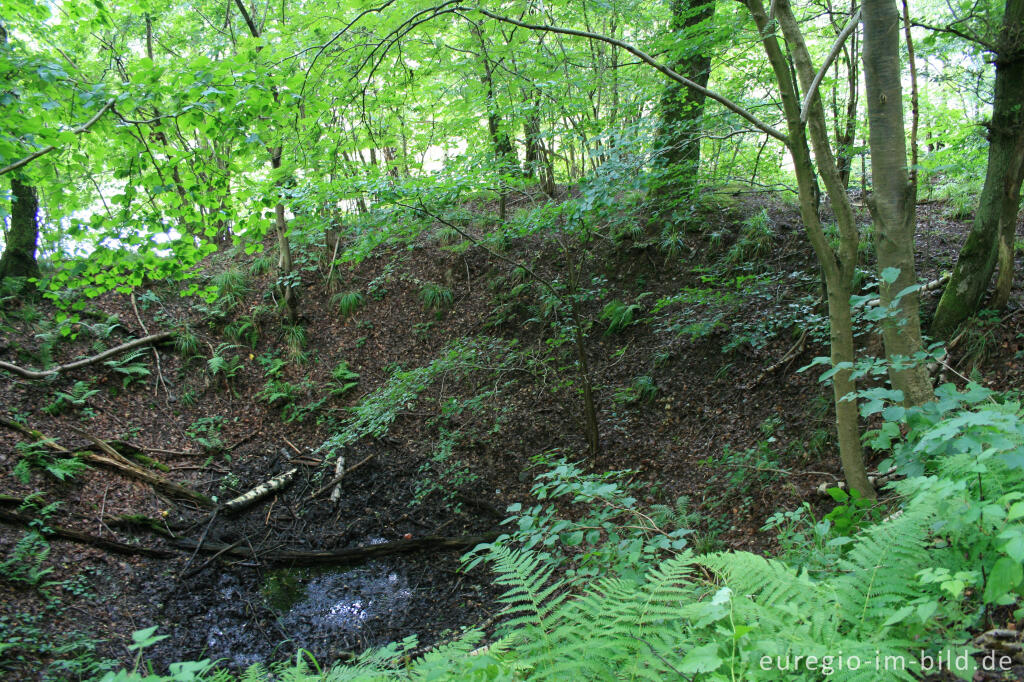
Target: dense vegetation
518	254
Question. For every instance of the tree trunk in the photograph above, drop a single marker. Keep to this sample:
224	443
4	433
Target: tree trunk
286	287
681	112
996	217
894	196
19	257
838	268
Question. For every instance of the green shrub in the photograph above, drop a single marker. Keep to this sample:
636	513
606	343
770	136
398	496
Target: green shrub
436	297
348	302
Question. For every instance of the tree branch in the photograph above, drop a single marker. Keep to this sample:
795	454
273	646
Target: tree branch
42	374
46	150
847	31
644	57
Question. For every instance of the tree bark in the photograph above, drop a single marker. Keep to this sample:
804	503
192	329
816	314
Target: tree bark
837	267
19	257
682	110
994	224
894	196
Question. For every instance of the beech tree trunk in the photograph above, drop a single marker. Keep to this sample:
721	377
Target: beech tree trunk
894	196
19	257
838	266
992	233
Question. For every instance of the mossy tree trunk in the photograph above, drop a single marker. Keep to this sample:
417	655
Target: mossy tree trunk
682	110
894	196
19	256
992	232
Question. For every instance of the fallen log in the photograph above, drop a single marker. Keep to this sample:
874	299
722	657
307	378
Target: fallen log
114	460
259	492
13	518
348	555
118	462
42	374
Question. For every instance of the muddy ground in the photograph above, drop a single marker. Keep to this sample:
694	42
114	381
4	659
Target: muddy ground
711	403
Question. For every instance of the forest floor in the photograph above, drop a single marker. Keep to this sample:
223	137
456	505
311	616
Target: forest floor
738	442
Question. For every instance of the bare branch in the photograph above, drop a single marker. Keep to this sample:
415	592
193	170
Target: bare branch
644	57
42	374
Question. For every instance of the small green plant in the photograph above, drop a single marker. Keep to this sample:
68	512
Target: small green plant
979	338
232	286
75	397
130	367
39	456
609	535
295	339
278	392
186	343
223	365
755	241
25	562
244	331
261	265
343	379
348	302
436	297
643	389
421	330
619	315
272	365
206	433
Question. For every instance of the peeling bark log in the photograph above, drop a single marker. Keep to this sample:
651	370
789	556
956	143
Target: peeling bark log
259	492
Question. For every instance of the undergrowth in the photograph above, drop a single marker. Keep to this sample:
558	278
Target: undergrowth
618	594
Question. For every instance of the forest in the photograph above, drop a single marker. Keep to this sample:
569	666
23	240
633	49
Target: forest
523	339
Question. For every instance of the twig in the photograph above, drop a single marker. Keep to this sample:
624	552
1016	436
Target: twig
209	561
337	479
156	356
49	148
202	539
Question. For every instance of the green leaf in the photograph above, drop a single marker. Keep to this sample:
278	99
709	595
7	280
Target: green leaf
890	275
1005	575
703	659
145	638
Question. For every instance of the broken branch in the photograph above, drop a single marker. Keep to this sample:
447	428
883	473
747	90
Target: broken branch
42	374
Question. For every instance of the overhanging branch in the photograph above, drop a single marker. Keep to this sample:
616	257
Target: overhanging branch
847	31
644	57
46	150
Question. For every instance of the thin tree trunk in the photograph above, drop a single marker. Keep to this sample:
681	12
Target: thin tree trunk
838	268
